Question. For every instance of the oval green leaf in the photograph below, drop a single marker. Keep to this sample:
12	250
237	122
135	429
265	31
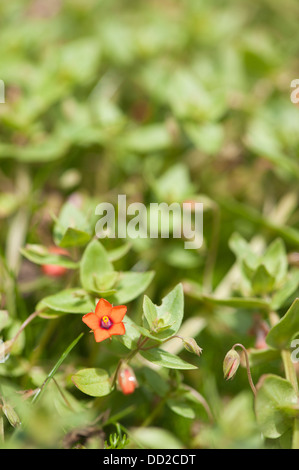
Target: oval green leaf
280	336
39	254
93	382
95	266
73	300
274	404
130	286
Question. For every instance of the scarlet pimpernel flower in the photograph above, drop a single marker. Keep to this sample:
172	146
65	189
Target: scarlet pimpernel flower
106	320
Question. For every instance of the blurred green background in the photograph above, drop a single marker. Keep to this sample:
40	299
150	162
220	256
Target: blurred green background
161	101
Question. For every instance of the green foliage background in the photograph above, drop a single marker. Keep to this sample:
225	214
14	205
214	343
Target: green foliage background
162	101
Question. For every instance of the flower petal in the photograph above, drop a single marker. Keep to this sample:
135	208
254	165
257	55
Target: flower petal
118	313
117	329
103	307
91	320
100	334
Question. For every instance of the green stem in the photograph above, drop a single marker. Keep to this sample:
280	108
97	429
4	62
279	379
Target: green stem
295	438
18	226
25	323
289	369
133	353
116	372
46	335
165	341
11	342
1	429
290	372
156	411
56	367
291	376
62	395
212	252
131	436
247	367
201	400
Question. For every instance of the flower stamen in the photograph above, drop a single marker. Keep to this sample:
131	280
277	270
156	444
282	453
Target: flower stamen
105	322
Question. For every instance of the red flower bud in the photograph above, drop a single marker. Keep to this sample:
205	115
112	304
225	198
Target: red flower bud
126	380
54	270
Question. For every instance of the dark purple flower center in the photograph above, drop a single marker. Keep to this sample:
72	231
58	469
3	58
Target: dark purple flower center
105	322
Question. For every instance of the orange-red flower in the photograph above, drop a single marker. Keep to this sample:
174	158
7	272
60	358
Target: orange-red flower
106	320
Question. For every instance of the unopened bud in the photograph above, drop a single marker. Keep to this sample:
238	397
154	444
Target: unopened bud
230	364
11	415
126	380
191	345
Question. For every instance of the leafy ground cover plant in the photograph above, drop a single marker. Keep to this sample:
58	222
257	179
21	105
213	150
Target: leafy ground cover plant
165	102
266	285
98	281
